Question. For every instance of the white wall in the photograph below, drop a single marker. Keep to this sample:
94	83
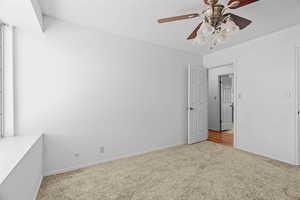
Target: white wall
214	114
86	89
24	180
266	85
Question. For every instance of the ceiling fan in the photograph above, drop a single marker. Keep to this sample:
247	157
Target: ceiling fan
216	25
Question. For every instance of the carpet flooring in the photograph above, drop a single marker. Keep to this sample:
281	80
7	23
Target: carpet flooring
204	171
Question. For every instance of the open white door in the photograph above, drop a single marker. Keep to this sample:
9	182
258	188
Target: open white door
197	105
298	99
226	88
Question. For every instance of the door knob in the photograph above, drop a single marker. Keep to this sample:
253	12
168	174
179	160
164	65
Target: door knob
191	108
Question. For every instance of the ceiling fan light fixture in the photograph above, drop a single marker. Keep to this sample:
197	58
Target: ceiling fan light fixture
216	25
221	37
206	29
230	27
200	40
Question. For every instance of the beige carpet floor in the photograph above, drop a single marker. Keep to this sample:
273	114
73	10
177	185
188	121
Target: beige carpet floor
204	171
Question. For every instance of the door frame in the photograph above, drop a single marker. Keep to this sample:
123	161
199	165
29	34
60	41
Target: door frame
297	104
235	97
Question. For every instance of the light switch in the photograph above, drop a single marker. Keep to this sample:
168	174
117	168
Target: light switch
239	95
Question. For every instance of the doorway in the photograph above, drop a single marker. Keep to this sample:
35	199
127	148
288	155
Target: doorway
226	102
221	105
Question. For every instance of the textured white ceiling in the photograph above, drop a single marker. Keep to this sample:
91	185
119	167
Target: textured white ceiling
138	19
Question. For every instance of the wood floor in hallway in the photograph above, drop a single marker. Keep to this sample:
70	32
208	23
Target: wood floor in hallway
223	137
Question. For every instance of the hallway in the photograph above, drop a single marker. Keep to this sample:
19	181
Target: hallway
224	137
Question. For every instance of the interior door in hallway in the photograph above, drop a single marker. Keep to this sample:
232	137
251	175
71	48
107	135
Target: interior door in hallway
226	94
298	117
197	104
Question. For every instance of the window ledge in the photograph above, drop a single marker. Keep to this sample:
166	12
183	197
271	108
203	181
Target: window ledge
12	150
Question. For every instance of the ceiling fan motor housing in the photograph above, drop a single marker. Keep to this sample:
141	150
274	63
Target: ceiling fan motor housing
217	15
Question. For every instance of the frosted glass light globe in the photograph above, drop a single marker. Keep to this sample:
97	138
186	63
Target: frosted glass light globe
200	39
206	29
230	26
221	37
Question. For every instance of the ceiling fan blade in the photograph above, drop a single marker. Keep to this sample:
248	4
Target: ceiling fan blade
239	21
241	4
194	33
177	18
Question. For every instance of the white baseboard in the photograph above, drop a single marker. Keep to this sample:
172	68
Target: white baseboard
38	188
59	171
265	155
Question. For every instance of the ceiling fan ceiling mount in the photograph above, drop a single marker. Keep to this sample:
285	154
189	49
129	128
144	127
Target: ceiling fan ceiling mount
211	2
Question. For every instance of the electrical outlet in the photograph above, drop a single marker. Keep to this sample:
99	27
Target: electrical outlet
76	155
101	150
